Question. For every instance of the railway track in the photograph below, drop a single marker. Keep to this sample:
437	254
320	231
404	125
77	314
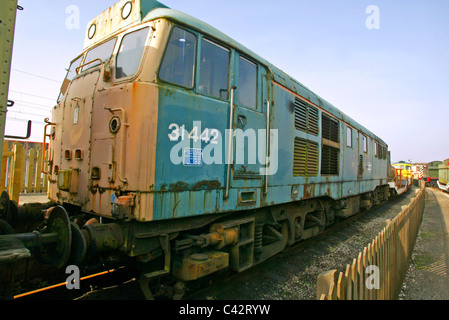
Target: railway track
290	275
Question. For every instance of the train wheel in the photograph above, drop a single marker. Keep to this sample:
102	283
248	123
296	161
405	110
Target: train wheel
57	253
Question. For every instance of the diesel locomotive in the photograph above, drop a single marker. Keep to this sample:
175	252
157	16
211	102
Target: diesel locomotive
174	148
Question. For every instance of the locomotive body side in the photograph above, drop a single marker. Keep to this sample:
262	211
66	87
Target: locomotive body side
153	145
176	145
159	119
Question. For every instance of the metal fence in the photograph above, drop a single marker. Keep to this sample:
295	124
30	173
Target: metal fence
379	270
22	169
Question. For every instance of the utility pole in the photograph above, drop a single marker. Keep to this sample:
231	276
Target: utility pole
7	26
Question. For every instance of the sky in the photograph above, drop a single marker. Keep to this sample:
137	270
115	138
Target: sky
384	63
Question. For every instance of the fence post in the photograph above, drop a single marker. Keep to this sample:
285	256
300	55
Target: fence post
17	176
38	179
325	284
30	172
390	251
4	166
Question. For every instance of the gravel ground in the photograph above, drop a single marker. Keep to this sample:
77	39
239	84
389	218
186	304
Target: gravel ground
428	275
292	275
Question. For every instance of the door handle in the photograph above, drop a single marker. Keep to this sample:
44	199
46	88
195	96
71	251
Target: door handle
241	121
231	121
267	147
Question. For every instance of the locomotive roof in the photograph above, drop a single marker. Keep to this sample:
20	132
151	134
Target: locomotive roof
110	21
278	75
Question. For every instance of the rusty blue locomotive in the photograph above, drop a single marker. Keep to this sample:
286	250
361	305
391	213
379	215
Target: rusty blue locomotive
178	148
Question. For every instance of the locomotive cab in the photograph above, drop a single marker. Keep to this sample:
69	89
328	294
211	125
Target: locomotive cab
109	102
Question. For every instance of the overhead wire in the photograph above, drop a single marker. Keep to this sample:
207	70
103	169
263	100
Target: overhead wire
28	104
15	114
33	95
36	75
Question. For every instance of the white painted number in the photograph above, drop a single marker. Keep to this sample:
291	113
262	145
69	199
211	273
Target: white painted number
208	135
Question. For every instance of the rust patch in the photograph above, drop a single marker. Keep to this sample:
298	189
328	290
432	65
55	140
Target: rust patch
179	186
183	186
309	191
207	185
291	107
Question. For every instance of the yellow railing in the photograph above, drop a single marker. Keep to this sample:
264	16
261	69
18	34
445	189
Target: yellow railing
379	270
22	170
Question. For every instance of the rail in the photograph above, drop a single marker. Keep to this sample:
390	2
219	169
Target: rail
379	270
22	170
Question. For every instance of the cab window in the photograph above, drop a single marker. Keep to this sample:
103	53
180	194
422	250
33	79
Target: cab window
130	53
101	52
178	63
349	137
214	70
247	83
72	69
365	144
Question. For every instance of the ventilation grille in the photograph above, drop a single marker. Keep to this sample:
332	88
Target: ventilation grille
381	151
331	129
305	158
330	160
306	117
360	168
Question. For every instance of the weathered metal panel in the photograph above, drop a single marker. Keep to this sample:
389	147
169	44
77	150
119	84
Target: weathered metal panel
443	172
118	17
180	188
73	132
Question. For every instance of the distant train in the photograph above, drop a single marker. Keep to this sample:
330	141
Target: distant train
443	175
435	174
431	173
176	149
404	171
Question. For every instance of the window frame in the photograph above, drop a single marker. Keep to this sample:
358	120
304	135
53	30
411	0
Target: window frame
195	59
237	80
349	137
144	49
89	64
198	68
365	143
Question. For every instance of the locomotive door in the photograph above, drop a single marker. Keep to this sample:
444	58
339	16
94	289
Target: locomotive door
248	121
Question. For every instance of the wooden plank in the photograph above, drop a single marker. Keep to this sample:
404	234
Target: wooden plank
38	173
355	280
348	283
18	168
340	287
4	167
325	282
30	173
